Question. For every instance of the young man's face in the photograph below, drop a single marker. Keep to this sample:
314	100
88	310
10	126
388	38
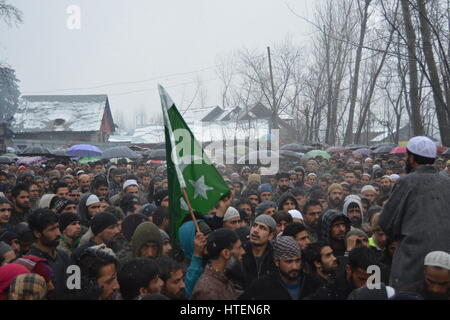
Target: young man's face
365	180
34	192
134	190
312	215
281	225
70	208
270	211
110	233
237	251
379	236
283	183
247	208
358	277
260	234
93	209
73	230
311	180
303	239
254	199
63	192
328	260
167	247
49	237
84	182
289	268
23	200
101	191
232	223
288	204
5	212
350	178
338	230
174	286
154	286
354	213
266	196
74	195
150	249
107	281
301	200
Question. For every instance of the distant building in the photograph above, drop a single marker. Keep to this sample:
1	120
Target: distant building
214	123
84	118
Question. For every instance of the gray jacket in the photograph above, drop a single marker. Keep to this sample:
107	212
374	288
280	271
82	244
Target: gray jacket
418	216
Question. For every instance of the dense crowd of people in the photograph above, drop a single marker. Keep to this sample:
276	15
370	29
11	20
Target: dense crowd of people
350	227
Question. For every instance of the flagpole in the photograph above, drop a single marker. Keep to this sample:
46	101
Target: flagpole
186	198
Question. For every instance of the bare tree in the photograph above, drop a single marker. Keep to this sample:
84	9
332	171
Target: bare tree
10	14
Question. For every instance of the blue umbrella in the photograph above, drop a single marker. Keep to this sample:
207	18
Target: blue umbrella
84	150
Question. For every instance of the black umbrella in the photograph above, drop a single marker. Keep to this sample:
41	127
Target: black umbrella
35	151
393	145
296	147
120	152
356	146
384	149
6	160
156	154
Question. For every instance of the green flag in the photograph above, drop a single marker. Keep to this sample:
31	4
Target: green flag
187	167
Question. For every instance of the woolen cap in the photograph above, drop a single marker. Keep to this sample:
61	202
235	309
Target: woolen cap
438	259
285	247
267	220
101	221
422	146
91	200
130	182
66	219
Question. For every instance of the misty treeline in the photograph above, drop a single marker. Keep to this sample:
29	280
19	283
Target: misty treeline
370	64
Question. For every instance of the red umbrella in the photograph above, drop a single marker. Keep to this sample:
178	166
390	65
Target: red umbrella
398	150
441	149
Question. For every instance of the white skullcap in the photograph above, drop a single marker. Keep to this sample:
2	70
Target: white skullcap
368	159
368	188
91	200
422	146
376	167
438	259
394	176
130	182
231	213
295	214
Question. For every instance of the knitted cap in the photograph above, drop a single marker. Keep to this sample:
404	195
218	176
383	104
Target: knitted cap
267	220
285	247
66	219
230	214
101	221
335	186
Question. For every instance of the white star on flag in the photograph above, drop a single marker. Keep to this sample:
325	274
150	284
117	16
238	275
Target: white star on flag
200	187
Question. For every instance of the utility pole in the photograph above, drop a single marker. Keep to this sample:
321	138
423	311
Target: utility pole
272	124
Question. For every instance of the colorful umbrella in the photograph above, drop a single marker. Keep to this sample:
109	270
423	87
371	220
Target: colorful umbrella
29	160
84	150
319	153
398	150
442	149
88	159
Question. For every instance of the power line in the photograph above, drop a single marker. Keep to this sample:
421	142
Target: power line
123	83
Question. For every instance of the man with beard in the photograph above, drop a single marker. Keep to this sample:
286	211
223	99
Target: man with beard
105	229
222	245
84	182
436	285
322	266
353	210
258	258
283	184
353	276
171	272
335	225
44	225
335	196
417	214
22	205
286	282
386	185
311	218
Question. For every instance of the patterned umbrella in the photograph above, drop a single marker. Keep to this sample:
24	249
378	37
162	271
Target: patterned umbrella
398	150
319	153
84	150
121	152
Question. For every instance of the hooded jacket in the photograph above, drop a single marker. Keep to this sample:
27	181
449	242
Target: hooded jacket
144	233
83	211
328	218
287	196
349	200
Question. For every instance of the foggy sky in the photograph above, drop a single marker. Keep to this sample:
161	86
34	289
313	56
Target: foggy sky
133	40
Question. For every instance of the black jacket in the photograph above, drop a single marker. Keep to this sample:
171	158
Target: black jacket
267	265
270	287
59	264
328	218
337	289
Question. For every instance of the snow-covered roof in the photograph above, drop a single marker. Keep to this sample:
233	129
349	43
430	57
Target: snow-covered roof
198	113
208	131
71	112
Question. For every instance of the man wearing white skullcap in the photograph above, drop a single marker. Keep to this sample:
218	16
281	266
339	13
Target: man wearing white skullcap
417	213
436	283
